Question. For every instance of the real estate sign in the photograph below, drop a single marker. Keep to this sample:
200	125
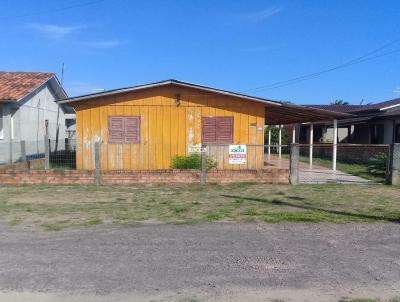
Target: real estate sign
196	148
237	154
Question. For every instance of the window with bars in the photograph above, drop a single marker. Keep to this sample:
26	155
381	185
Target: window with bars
124	129
217	129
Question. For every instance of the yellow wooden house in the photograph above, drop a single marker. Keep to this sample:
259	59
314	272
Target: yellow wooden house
144	127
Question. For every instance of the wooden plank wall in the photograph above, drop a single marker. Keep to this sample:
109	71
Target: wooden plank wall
166	128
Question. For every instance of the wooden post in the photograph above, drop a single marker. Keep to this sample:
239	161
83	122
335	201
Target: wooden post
335	138
311	144
23	152
203	165
97	164
46	153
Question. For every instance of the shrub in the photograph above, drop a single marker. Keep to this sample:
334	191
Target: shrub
192	161
377	164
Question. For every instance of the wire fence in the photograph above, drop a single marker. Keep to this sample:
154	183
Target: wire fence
253	157
41	154
316	162
349	162
62	155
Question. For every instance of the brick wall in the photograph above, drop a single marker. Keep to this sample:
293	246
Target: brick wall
15	177
11	177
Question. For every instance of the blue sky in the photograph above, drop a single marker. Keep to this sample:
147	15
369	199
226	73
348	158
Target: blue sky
234	45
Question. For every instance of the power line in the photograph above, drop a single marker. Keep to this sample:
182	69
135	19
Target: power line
316	74
358	60
52	10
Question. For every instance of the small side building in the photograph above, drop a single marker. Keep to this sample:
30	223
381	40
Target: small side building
28	111
377	123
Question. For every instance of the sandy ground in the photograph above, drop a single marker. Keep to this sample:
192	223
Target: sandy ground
208	262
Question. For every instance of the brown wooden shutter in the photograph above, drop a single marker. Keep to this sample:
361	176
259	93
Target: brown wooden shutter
224	129
132	129
209	130
116	129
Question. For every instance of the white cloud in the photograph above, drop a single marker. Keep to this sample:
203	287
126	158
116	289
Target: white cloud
59	32
260	15
104	44
55	31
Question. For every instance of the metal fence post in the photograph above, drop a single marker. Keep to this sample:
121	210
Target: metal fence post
311	144
335	139
23	152
395	164
280	142
46	153
269	142
10	151
97	165
203	165
294	164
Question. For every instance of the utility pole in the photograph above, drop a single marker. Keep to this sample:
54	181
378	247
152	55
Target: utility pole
58	109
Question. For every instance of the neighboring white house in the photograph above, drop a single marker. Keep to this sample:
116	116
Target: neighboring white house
377	123
28	112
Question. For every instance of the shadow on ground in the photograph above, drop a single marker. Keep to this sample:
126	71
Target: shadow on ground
308	207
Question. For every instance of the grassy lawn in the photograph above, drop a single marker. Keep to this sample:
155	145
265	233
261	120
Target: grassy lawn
56	207
354	169
360	170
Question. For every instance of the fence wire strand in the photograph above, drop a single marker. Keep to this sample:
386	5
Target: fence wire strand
370	162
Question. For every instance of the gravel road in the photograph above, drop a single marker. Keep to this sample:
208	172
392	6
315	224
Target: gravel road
220	261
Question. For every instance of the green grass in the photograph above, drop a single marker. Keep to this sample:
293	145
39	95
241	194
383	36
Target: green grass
360	170
65	166
58	207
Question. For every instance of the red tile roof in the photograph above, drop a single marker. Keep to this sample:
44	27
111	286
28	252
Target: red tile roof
15	85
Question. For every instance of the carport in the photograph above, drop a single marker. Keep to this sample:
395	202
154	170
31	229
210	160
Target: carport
291	116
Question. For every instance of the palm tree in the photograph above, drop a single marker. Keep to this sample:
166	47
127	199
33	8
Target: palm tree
339	102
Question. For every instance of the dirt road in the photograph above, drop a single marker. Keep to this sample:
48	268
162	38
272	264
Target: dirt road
208	262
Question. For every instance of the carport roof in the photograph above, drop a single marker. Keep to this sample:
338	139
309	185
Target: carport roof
276	112
296	114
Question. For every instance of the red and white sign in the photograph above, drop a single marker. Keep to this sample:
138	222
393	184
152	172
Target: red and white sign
237	154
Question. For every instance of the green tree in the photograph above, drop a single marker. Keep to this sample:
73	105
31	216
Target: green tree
339	102
275	135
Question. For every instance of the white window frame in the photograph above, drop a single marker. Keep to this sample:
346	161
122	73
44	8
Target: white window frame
13	112
12	125
2	123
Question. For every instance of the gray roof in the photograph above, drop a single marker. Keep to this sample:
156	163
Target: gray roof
381	106
166	83
283	113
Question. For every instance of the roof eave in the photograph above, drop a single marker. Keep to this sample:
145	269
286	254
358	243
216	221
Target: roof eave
322	111
37	87
165	83
389	107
